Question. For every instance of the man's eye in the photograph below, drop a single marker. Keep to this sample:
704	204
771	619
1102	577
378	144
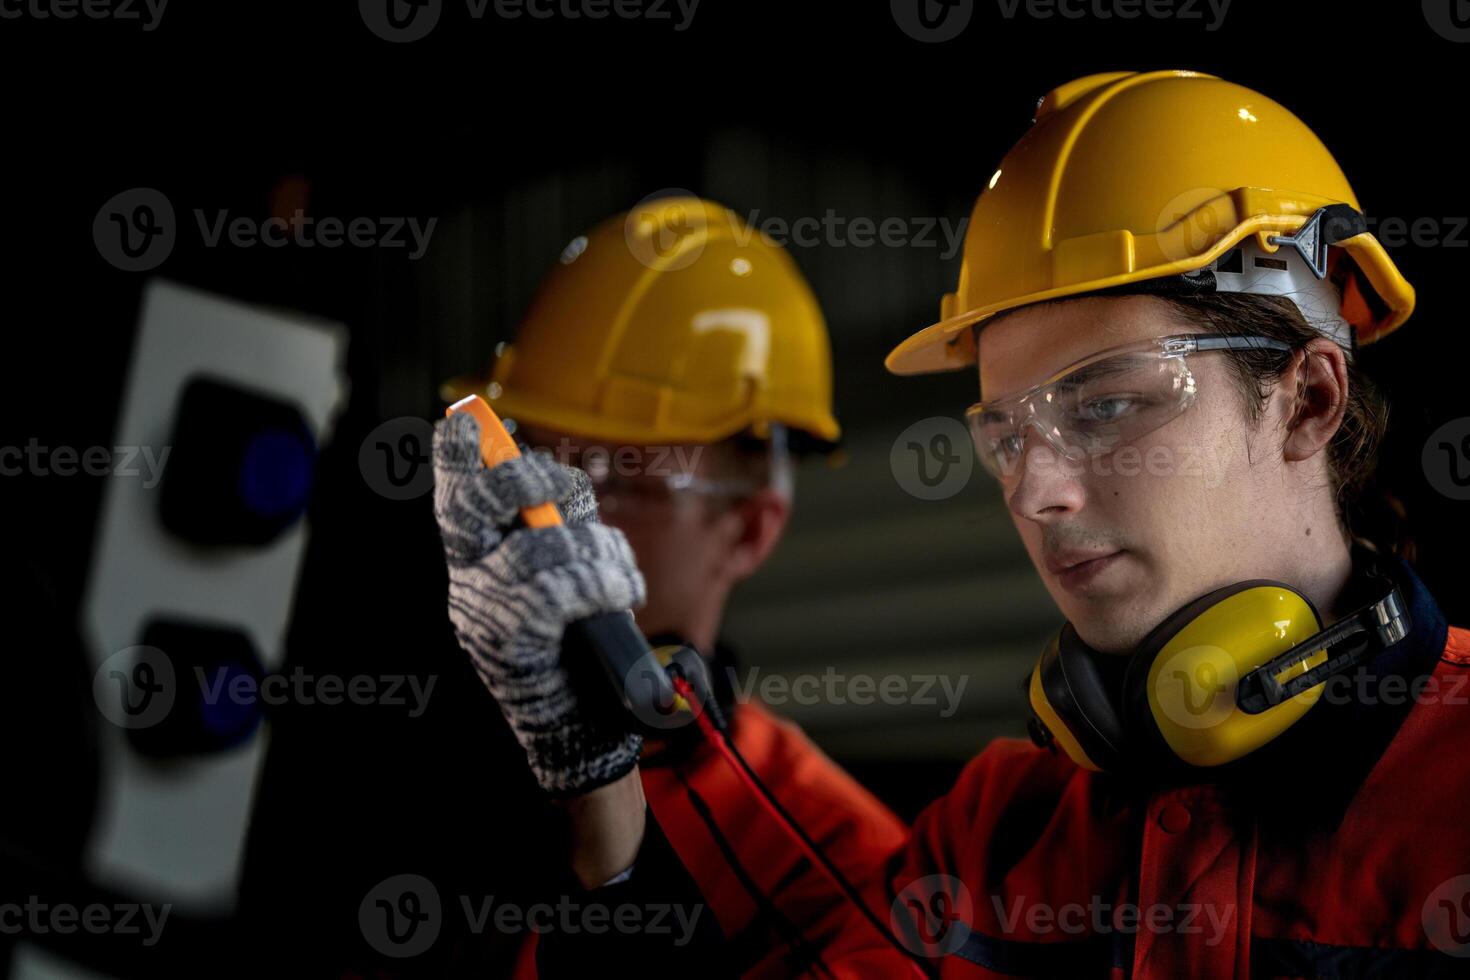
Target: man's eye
1008	447
1108	409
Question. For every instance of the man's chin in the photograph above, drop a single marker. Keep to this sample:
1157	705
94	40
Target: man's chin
1112	622
1109	637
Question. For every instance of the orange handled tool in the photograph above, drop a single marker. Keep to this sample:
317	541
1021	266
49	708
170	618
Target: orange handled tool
496	446
636	672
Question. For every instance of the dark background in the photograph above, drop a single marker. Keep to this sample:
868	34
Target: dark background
518	135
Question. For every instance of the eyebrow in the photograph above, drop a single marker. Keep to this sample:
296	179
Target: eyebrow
1097	369
987	416
1072	380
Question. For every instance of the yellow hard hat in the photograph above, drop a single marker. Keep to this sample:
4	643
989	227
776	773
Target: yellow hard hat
674	322
1129	176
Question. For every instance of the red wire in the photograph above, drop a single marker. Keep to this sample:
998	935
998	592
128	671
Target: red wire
720	741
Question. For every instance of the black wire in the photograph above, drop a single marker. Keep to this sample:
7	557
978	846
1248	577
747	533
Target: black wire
698	684
852	893
780	921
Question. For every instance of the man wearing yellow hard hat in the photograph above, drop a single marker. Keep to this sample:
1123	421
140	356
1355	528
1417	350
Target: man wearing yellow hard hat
1243	753
681	360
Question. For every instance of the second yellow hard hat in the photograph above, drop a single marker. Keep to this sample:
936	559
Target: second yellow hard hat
674	322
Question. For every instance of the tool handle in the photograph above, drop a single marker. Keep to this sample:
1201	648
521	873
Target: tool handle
613	638
496	446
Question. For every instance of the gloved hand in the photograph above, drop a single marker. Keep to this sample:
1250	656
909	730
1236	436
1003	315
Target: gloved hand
512	593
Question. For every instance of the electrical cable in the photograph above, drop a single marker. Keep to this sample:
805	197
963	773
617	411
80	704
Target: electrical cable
719	739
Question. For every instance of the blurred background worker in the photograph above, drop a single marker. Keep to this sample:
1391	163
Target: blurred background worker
682	361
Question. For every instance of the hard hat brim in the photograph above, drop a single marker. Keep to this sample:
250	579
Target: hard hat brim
949	344
823	429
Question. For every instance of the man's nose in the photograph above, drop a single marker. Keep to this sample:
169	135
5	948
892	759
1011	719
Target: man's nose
1047	485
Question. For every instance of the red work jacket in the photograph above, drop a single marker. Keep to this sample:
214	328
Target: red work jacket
1342	849
774	908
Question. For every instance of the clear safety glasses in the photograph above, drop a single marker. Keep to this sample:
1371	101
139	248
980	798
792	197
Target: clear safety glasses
1101	402
653	486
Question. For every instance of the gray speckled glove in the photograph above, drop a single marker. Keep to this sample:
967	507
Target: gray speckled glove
512	593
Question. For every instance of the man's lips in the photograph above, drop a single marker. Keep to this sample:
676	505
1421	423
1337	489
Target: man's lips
1061	561
1075	568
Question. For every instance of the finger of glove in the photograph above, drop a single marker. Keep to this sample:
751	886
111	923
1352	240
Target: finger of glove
529	550
579	506
578	571
527	590
474	504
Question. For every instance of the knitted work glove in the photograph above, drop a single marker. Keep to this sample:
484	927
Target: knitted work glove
512	593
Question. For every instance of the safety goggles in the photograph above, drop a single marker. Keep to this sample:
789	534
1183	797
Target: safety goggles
647	488
1101	402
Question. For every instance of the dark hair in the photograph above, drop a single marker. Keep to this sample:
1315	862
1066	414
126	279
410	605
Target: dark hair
1367	511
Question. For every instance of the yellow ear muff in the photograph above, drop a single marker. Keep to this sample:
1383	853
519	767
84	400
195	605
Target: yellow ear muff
1053	727
1073	705
1181	687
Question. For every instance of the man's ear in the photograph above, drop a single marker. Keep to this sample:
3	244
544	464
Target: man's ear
1316	391
759	521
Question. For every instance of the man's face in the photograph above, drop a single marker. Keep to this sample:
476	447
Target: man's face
1123	539
678	539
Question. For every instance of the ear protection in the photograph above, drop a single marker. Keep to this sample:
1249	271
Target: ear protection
1213	682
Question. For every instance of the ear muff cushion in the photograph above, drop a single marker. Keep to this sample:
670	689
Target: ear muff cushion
1077	688
1142	728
